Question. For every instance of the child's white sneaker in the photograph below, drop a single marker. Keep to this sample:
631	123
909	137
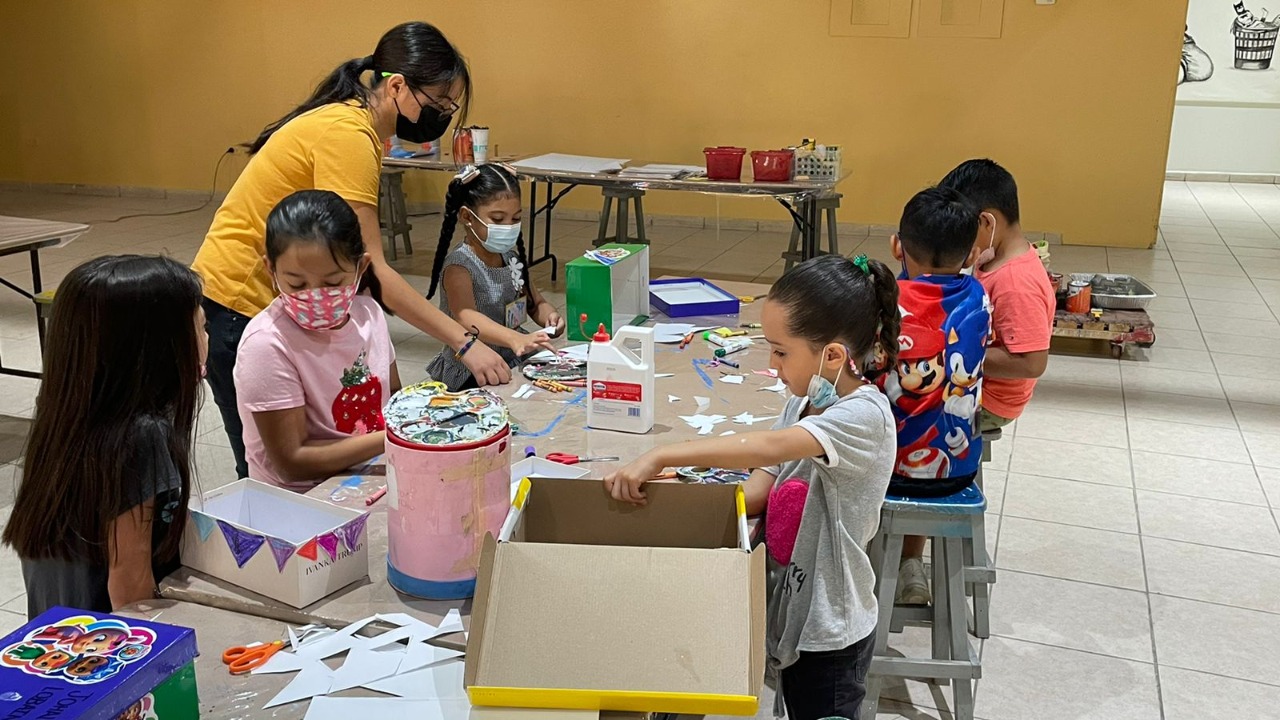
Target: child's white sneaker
913	586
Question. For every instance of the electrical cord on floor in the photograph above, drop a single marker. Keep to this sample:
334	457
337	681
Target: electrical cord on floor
213	189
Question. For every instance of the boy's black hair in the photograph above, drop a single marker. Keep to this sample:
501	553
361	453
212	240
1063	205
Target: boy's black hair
988	185
938	227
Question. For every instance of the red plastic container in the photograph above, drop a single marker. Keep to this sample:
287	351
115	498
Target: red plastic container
724	162
772	165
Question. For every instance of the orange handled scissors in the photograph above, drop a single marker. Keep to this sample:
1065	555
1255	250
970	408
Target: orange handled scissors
243	658
567	459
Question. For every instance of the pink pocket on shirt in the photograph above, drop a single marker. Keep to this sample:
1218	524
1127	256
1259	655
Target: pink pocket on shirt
782	518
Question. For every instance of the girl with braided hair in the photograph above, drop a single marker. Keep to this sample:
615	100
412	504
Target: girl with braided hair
486	278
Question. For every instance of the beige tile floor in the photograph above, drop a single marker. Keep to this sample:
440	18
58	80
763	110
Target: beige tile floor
1134	507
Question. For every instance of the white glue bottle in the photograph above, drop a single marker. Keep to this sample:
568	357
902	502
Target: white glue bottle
620	383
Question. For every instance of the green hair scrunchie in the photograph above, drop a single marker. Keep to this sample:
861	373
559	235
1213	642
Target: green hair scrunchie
863	265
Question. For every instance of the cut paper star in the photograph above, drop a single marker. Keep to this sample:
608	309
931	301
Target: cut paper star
749	419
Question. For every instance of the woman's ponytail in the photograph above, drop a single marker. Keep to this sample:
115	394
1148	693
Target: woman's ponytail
342	85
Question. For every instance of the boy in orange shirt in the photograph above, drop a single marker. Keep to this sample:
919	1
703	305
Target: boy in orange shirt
1022	298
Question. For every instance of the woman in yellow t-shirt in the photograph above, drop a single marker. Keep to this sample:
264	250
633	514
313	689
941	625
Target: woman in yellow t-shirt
333	141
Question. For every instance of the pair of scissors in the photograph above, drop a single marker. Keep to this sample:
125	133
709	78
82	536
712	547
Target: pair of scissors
567	459
243	658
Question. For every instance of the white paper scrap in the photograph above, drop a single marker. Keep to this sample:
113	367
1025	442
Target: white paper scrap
703	403
282	662
346	708
727	433
659	376
703	423
542	356
732	379
767	373
749	419
421	655
365	666
671	332
779	387
315	679
673	398
324	646
576	352
437	682
526	390
550	330
452	623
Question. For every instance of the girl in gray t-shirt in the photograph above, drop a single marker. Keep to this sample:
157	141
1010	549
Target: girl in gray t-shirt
820	476
486	279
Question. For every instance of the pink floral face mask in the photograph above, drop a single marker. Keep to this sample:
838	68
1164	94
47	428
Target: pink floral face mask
320	308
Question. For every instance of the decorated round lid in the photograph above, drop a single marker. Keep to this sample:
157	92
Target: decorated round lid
428	414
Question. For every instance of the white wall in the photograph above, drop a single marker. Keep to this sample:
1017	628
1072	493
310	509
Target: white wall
1234	140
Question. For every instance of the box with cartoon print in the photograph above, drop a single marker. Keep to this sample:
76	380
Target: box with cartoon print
79	665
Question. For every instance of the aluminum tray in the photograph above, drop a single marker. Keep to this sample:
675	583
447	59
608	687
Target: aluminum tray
1139	297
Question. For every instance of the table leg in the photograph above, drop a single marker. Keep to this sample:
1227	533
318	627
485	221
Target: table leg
37	287
809	231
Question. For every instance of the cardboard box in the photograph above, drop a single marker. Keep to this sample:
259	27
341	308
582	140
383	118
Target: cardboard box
77	665
692	297
615	295
536	467
658	608
277	543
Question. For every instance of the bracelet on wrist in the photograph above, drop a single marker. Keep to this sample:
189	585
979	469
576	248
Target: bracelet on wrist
472	337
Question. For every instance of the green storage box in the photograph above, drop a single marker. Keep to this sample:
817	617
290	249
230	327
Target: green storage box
615	295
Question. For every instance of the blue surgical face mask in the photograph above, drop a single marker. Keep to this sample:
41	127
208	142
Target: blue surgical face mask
822	392
498	238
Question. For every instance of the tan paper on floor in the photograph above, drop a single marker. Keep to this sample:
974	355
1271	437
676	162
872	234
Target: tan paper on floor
592	604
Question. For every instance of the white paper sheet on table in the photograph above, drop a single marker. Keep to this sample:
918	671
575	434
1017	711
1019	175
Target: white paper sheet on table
437	682
732	379
576	352
749	419
673	398
571	163
703	403
420	655
659	376
452	623
315	679
674	332
330	708
323	646
366	666
778	387
282	662
704	424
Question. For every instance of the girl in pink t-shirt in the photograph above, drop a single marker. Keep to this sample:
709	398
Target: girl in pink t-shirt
316	367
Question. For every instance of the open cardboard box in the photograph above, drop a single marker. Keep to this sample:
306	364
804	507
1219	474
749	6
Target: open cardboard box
277	543
587	603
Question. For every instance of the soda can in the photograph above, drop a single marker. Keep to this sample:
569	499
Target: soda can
1079	297
463	154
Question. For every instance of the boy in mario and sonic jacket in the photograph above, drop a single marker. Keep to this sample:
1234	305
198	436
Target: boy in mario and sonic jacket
935	386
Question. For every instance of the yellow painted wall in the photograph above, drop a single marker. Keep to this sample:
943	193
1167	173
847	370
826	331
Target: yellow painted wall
1075	98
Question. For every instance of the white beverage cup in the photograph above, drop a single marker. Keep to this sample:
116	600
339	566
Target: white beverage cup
480	144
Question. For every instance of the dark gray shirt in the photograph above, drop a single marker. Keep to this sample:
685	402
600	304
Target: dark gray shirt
82	584
493	289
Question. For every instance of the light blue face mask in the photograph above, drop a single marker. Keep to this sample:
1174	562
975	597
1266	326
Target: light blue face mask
822	392
498	238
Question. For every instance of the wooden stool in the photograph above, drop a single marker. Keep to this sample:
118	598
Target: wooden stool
393	217
826	204
949	522
44	307
622	231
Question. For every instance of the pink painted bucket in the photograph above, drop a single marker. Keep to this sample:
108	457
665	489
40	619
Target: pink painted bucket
442	497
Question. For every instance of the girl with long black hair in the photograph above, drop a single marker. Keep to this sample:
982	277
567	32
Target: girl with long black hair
103	501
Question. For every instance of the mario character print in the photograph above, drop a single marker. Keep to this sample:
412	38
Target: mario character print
936	385
81	649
